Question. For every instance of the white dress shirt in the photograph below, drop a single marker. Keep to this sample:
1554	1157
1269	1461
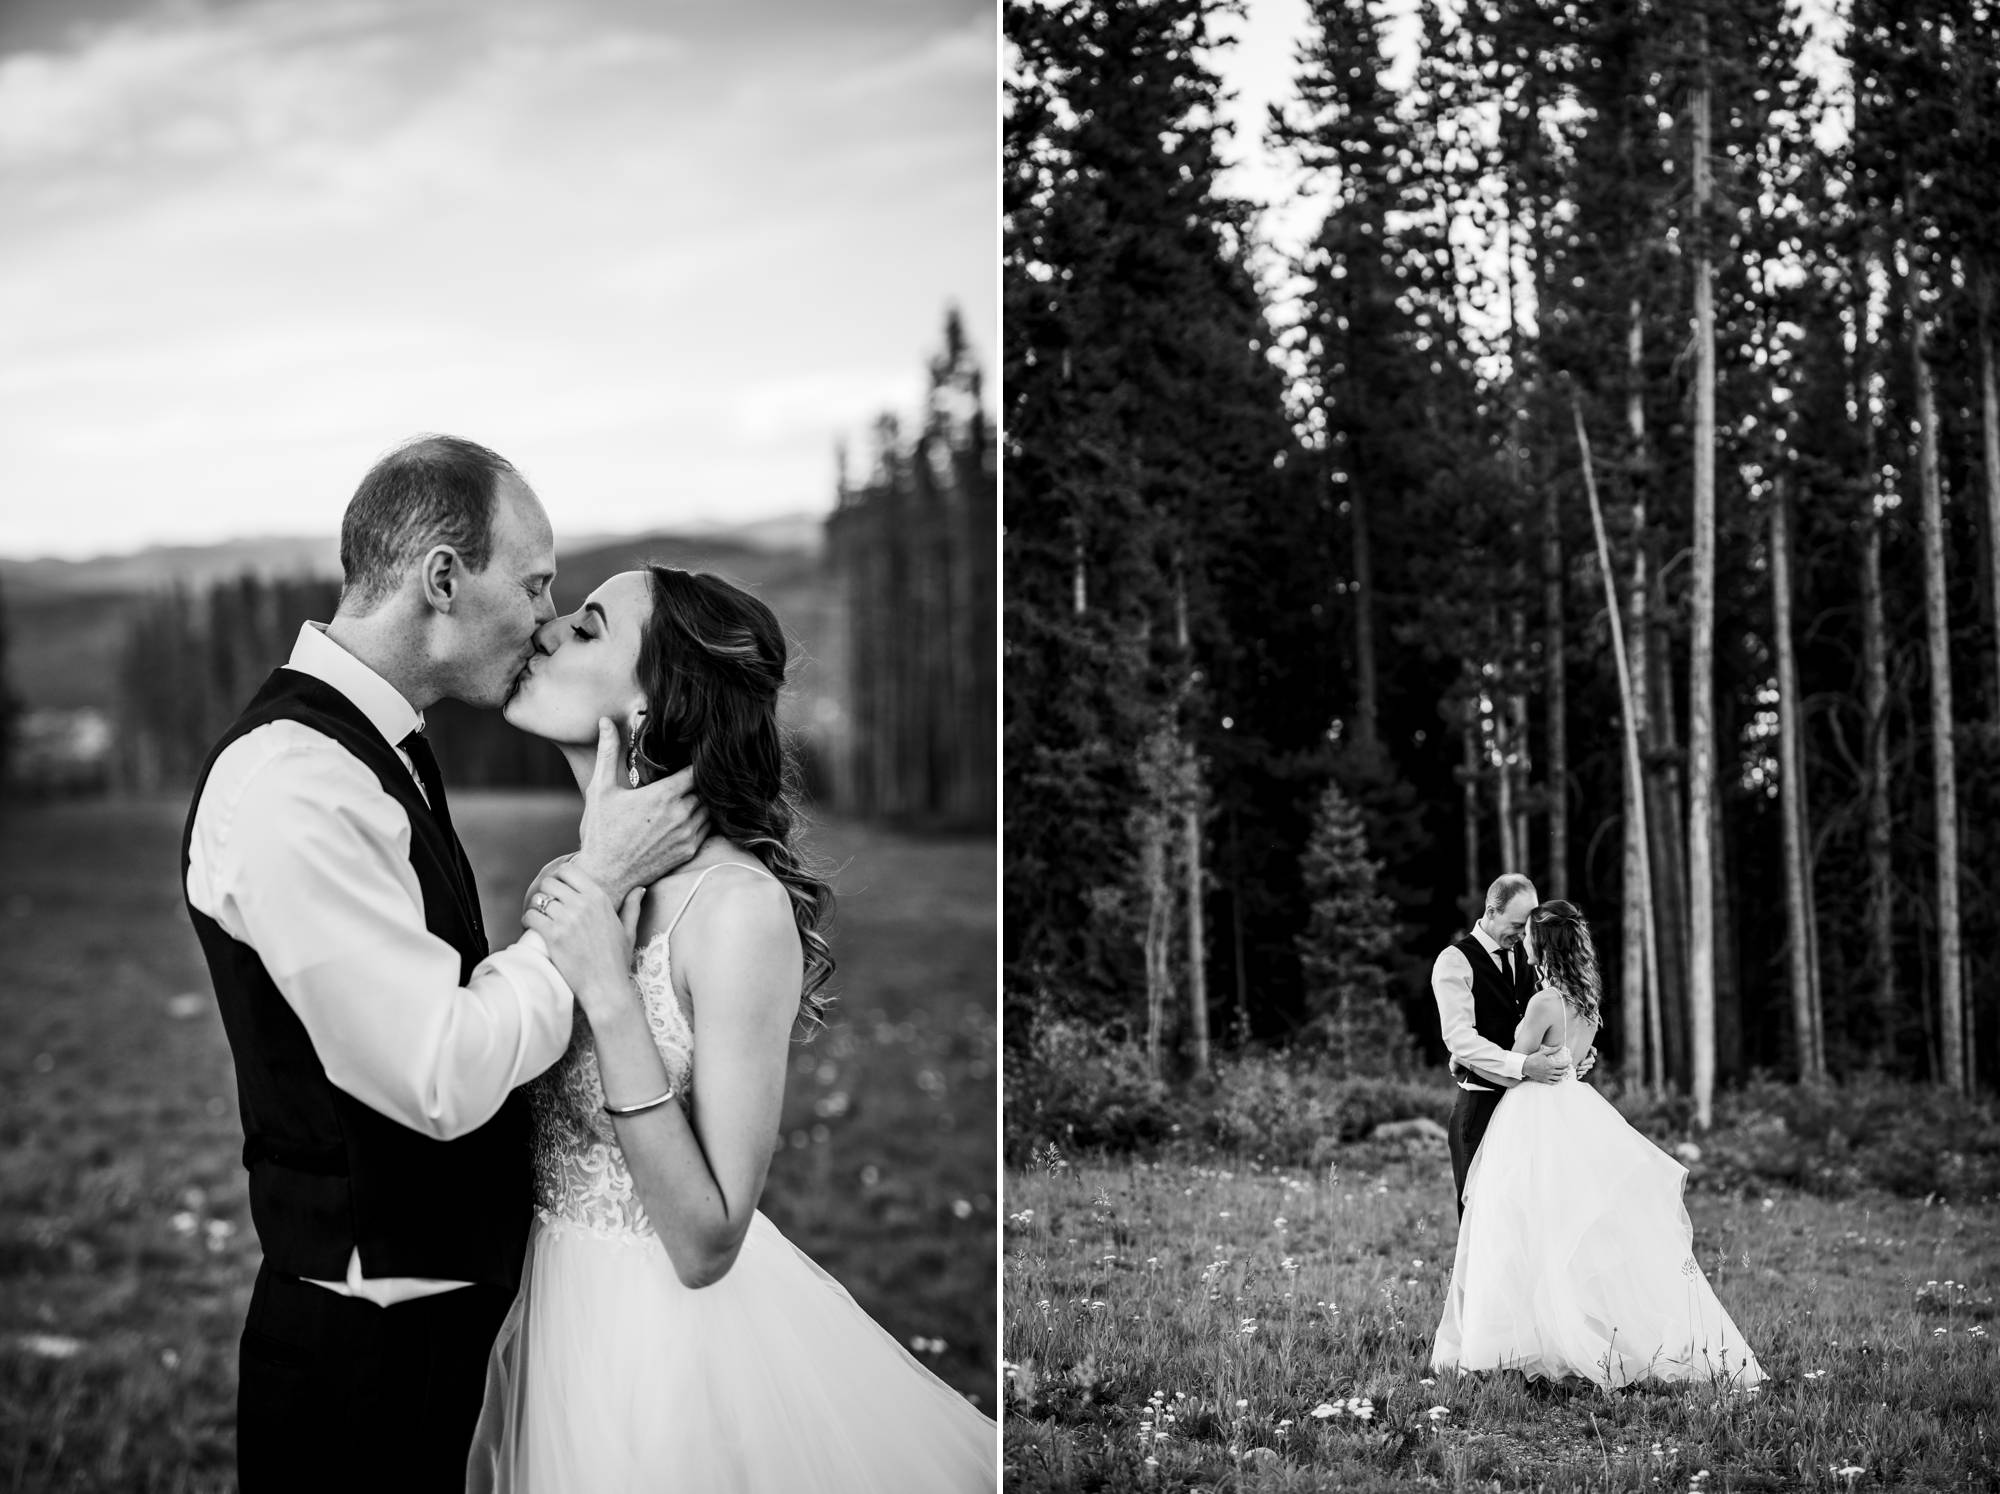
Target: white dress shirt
298	852
1451	984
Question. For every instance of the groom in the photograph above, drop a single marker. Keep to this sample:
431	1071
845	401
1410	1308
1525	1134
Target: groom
1482	983
378	1045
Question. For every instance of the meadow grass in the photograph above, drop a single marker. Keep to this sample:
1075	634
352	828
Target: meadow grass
126	1251
1176	1324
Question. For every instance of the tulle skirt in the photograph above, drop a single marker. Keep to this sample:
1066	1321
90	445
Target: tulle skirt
1575	1254
609	1375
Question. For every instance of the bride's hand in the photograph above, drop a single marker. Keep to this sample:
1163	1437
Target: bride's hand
589	936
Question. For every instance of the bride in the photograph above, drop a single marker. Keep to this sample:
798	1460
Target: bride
665	1331
1574	1255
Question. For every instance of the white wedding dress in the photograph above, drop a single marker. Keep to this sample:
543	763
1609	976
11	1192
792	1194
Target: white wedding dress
1575	1253
609	1375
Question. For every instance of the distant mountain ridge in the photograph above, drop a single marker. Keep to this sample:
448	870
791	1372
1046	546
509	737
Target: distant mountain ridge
67	619
319	555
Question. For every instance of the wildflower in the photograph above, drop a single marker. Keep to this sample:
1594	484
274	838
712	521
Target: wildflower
1438	1413
1288	1264
1360	1407
1427	1382
1248	1327
1279	1222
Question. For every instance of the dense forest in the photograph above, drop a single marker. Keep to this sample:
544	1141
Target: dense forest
1609	490
912	547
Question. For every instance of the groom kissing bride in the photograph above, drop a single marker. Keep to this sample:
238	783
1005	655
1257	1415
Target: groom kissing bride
510	1241
1574	1253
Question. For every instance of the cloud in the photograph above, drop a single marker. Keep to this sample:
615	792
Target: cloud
277	237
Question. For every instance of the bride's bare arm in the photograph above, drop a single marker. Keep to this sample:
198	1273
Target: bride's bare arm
738	949
1541	1025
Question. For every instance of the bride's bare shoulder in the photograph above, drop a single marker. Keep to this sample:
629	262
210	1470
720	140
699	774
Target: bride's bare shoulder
741	890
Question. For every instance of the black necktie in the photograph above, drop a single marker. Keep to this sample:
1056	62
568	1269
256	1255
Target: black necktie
428	777
426	764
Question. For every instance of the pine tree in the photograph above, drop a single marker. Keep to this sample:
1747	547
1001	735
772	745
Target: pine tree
1346	949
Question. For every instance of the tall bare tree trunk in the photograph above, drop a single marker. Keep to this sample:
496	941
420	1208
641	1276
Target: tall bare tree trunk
1474	753
1191	857
1522	757
1937	628
1556	776
1642	1009
1367	705
1158	936
1639	890
1989	431
1875	694
1701	655
1989	448
1802	968
1667	815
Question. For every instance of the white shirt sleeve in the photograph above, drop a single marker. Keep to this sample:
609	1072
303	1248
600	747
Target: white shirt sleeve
1451	984
299	853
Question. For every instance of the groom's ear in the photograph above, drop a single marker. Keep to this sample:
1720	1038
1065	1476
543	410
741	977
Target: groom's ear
442	575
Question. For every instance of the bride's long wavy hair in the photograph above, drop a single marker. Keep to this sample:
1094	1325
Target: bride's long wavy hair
1566	956
712	661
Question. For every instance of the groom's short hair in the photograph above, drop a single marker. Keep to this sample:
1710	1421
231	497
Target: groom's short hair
431	490
1506	887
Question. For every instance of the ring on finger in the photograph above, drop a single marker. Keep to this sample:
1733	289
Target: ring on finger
542	901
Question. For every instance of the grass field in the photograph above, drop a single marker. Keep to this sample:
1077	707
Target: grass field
1176	1326
126	1253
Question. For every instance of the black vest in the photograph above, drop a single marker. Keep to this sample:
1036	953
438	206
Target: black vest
328	1174
1496	1005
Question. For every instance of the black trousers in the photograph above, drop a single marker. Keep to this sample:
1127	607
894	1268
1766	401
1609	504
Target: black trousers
1469	1116
335	1392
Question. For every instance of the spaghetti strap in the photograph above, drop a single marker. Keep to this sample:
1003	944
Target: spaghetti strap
703	877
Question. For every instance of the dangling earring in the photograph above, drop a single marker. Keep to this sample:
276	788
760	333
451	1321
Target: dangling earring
632	762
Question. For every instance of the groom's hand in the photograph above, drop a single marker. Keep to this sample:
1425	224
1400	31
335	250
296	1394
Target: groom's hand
633	837
1545	1066
1589	1063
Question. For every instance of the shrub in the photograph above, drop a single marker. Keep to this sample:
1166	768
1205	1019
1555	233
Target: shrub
1077	1087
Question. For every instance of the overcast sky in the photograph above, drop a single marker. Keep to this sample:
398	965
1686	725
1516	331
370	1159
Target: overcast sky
661	255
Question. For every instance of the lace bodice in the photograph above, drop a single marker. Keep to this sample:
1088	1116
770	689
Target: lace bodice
580	1172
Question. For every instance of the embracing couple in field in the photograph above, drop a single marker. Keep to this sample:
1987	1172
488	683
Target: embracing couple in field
511	1241
1574	1248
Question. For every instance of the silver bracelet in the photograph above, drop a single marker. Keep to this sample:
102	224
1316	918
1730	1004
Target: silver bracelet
643	1106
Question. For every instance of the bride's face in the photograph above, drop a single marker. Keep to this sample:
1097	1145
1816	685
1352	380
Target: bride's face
586	665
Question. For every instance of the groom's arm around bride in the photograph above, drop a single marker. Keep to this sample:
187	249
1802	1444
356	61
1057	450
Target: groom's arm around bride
1482	983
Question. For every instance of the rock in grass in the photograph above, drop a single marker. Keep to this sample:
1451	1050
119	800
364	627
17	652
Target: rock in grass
49	1345
1420	1133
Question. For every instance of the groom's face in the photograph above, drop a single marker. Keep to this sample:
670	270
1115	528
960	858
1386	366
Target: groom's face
1507	925
501	607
